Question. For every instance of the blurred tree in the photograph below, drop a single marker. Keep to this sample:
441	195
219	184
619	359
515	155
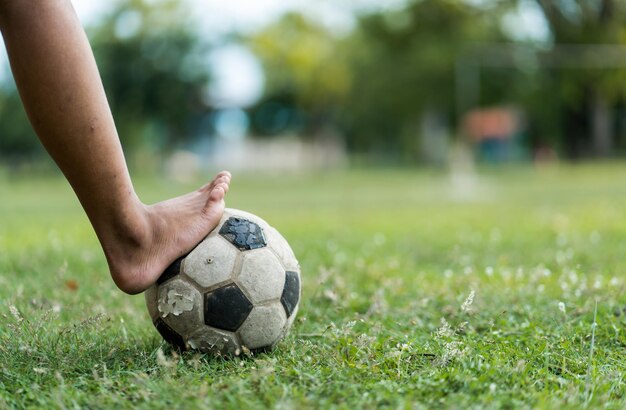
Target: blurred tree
306	75
151	63
591	87
404	65
17	138
376	82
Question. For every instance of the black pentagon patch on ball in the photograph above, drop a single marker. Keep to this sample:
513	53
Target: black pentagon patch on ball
170	271
244	234
226	308
291	292
169	334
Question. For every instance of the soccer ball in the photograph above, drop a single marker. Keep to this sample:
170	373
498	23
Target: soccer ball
238	290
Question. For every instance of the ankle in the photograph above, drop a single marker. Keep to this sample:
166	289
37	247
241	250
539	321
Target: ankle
126	240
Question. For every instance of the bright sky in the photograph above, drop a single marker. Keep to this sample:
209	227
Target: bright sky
227	15
221	17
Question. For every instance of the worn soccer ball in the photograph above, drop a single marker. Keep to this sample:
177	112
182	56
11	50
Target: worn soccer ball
238	290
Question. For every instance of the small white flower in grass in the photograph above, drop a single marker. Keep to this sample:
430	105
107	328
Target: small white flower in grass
562	307
597	284
445	330
595	237
331	295
492	388
164	361
465	307
379	239
364	341
393	263
16	313
451	350
489	271
461	327
495	235
40	370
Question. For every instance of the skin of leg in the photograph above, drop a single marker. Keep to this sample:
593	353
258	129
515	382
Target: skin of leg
58	81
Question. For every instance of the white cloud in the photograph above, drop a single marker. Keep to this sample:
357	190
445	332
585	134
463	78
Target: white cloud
238	77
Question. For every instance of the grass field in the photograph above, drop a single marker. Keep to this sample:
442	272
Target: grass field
417	294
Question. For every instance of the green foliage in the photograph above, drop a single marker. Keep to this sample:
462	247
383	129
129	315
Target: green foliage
153	67
399	64
389	261
586	21
305	70
580	89
17	138
404	64
300	57
150	61
375	82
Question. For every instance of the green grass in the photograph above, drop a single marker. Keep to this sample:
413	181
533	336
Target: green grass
388	259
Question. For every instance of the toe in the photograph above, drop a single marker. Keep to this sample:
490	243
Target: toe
217	193
224	185
223	177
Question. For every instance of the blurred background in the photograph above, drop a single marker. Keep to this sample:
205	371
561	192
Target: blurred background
273	85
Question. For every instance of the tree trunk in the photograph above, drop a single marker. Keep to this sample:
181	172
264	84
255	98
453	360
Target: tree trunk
601	125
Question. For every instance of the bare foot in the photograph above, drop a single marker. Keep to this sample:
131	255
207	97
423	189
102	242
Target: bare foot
153	236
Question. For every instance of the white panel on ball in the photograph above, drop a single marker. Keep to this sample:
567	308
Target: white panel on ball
282	249
263	327
262	276
211	262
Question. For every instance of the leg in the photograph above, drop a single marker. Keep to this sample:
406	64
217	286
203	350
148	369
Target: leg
58	81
